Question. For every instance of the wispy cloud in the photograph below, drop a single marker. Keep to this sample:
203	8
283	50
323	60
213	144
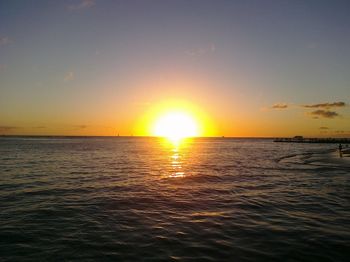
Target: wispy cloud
324	114
280	106
340	133
39	127
5	40
8	128
69	77
201	51
324	129
83	4
80	126
326	105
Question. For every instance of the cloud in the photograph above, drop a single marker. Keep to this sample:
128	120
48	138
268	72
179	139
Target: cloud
326	105
324	114
4	40
201	51
39	127
280	106
69	77
84	4
8	128
342	132
323	129
81	126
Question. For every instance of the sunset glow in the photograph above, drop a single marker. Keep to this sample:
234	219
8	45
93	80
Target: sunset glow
175	130
176	126
103	68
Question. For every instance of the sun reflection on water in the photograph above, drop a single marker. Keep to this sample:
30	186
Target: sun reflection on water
176	150
176	164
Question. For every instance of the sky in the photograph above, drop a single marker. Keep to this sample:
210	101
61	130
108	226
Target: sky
262	68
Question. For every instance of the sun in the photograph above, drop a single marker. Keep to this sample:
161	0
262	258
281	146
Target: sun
175	120
176	126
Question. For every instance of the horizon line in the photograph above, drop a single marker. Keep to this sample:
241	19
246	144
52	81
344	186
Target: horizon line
145	136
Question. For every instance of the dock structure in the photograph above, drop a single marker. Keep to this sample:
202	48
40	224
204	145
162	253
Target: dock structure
300	139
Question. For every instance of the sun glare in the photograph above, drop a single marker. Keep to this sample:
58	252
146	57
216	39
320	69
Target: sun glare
176	126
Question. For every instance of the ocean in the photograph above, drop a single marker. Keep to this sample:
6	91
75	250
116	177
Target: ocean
147	199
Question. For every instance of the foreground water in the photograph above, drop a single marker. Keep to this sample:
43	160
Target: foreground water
144	199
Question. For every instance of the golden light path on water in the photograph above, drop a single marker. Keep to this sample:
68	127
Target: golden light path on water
175	147
176	163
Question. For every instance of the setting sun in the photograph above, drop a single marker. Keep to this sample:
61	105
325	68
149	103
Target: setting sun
175	119
176	126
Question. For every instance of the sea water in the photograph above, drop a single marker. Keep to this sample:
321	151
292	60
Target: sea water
147	199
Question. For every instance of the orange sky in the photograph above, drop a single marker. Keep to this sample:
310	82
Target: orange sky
253	69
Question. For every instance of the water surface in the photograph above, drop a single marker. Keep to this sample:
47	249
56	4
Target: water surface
145	199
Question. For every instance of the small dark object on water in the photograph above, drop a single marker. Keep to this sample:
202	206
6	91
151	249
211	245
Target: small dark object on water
340	150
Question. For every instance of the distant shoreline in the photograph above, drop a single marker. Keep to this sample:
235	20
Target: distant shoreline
328	140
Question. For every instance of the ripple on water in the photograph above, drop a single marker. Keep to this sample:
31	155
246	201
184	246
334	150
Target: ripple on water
137	199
